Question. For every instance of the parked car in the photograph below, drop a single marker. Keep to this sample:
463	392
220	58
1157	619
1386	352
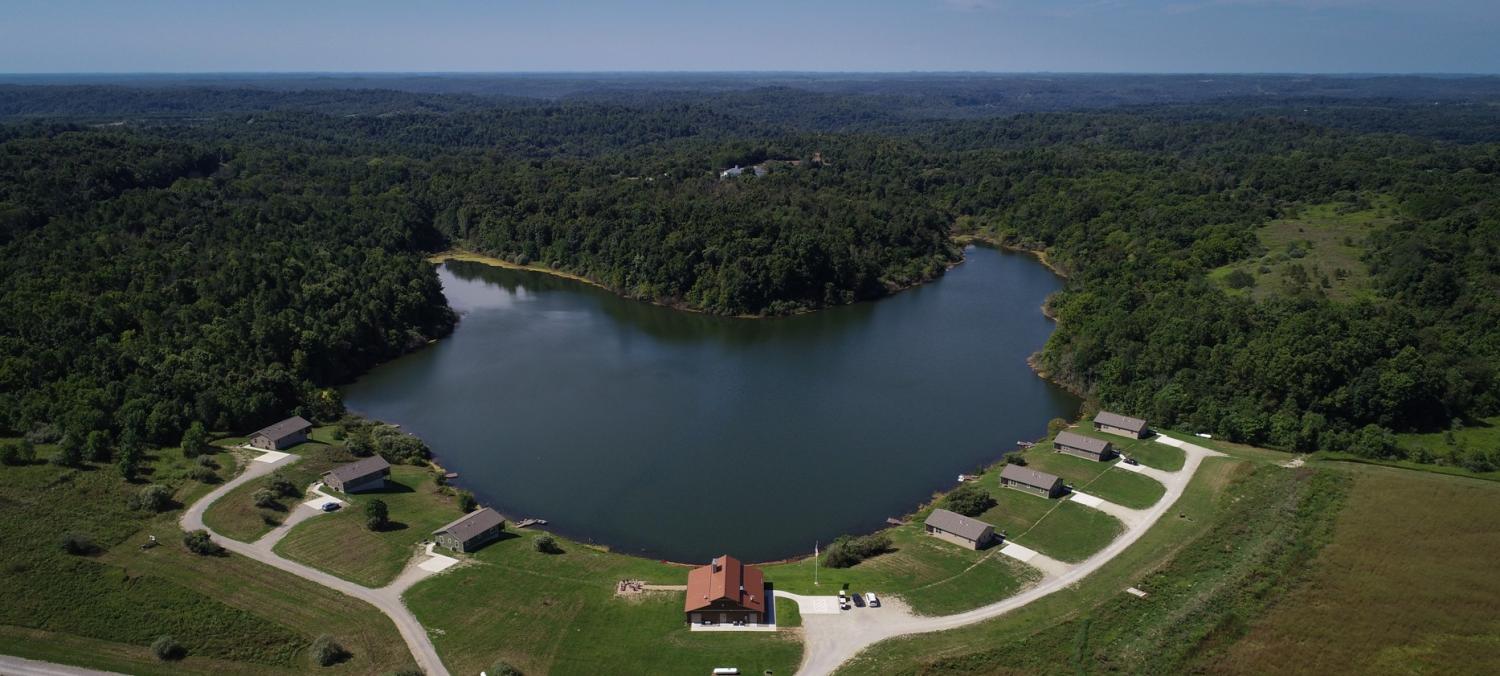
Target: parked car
331	506
872	600
859	601
1131	461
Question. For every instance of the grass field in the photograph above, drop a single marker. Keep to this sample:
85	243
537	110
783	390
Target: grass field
1317	251
235	514
1407	585
340	544
1119	486
1225	544
558	614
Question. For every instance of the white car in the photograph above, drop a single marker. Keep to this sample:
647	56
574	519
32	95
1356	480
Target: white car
872	600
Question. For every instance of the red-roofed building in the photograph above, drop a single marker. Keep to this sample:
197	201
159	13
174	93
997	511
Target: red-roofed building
724	592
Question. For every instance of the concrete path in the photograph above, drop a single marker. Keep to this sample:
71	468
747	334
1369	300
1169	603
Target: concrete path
20	666
1126	515
830	640
1049	566
386	599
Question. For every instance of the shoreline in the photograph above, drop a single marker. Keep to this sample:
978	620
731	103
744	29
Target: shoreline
959	240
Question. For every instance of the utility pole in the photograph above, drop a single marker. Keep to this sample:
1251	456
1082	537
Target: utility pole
815	563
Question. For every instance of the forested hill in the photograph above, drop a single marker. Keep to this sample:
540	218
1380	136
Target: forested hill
226	265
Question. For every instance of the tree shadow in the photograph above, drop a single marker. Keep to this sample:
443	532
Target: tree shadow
390	487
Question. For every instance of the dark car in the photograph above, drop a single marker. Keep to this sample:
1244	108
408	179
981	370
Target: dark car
331	506
1131	461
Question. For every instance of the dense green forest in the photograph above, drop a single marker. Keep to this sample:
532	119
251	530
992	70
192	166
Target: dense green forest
225	255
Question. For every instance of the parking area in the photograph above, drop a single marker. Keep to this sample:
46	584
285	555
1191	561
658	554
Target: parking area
268	457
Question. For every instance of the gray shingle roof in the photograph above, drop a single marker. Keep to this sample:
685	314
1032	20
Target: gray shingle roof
1030	477
1121	421
1076	440
473	523
284	428
957	524
359	469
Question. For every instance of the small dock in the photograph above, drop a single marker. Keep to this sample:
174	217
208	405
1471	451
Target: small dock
1025	444
893	521
524	523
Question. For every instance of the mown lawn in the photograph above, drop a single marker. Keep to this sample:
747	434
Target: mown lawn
558	614
1102	479
1407	585
1123	487
341	544
1149	452
235	515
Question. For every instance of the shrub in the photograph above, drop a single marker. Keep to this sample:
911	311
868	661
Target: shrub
1239	279
167	649
969	499
399	447
77	545
18	453
1054	426
203	475
265	498
44	433
503	668
377	515
69	452
466	502
546	545
278	484
153	498
97	446
327	652
270	518
208	461
195	441
847	551
198	542
1015	459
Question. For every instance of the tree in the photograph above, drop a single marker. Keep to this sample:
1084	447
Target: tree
265	498
199	542
97	446
195	441
203	475
546	545
466	502
78	544
377	515
846	551
327	652
279	485
969	499
1054	426
130	456
69	452
167	649
503	668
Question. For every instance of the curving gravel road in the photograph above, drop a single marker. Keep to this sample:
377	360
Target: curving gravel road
830	640
386	599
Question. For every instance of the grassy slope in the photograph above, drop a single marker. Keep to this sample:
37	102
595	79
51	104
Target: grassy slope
1329	237
1483	434
1099	478
558	614
236	516
1407	585
340	544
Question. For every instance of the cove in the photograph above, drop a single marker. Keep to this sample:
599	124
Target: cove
681	436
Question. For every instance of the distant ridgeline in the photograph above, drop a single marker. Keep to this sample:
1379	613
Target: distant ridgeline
224	254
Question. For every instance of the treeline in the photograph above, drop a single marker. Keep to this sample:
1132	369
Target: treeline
228	269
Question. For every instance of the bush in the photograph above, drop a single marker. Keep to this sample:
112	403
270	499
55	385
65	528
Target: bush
18	453
208	461
153	498
45	433
69	452
1015	459
97	446
78	545
546	545
847	551
1239	279
399	447
466	502
327	652
265	498
503	668
969	500
203	475
167	649
377	515
278	484
198	542
1054	426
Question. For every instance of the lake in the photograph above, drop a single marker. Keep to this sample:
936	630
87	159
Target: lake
682	436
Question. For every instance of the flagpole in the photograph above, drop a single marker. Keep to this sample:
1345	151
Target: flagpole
815	562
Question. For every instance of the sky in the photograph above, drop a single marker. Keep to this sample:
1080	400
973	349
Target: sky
1306	36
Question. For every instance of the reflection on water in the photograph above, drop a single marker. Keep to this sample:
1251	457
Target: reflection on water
681	435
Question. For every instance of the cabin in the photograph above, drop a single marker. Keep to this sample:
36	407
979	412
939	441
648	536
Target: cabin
1121	425
1084	447
725	591
470	531
1032	481
365	474
959	529
282	435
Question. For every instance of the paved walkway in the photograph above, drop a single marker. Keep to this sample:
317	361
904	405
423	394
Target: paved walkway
1049	566
387	599
1126	515
830	640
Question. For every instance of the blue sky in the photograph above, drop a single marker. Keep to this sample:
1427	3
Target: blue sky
1453	36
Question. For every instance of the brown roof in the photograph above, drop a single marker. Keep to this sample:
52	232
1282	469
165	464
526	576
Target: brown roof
469	525
285	428
1030	477
359	469
1076	440
958	524
1123	422
726	579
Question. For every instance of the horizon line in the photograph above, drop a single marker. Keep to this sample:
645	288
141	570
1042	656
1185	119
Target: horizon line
1287	73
